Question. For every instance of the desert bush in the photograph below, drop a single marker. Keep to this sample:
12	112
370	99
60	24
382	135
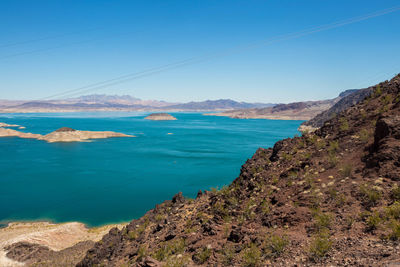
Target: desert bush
395	192
169	248
265	207
202	256
333	146
393	210
175	261
373	221
322	221
344	124
251	256
346	170
364	135
275	245
320	245
370	196
228	254
387	99
377	91
395	230
141	253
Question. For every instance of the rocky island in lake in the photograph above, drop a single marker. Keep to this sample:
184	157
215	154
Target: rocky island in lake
63	134
160	117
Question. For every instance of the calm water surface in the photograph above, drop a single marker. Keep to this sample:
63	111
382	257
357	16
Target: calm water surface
118	179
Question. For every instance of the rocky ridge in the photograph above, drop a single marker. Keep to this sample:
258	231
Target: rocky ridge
331	197
292	111
348	100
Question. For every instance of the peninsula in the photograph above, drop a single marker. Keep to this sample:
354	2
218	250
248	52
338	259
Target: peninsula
161	117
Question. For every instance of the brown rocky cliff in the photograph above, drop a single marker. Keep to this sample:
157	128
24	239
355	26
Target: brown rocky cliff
325	198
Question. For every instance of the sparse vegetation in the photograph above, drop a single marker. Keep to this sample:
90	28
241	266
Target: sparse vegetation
202	256
364	135
370	196
251	256
320	245
275	245
344	124
346	170
228	253
395	192
373	221
169	248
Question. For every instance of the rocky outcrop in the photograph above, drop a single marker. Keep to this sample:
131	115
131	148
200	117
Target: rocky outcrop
2	124
70	135
4	132
47	244
64	134
327	198
160	117
348	99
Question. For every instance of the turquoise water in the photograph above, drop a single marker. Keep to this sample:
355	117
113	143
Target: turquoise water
118	179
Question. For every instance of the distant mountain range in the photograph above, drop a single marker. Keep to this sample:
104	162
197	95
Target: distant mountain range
101	102
292	111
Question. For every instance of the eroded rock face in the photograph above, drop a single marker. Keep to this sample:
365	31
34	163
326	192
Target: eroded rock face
385	151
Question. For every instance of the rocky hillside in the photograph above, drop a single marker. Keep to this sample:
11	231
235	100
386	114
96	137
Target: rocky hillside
350	98
327	198
292	111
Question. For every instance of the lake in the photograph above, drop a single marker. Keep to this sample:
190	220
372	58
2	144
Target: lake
119	179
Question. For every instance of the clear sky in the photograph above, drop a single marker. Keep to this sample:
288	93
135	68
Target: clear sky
51	46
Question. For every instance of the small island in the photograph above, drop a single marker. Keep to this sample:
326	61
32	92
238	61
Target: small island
63	134
160	117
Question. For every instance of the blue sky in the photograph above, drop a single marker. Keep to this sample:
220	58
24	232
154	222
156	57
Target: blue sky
48	47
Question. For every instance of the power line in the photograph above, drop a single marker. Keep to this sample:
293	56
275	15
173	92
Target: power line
194	60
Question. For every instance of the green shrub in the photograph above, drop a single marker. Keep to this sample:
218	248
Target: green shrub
322	221
393	210
346	170
334	145
275	245
373	221
203	255
370	195
364	135
169	248
344	124
395	192
332	159
265	207
378	91
387	99
176	261
228	254
141	253
132	235
395	230
320	246
251	256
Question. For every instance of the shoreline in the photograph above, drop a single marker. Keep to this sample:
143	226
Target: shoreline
55	236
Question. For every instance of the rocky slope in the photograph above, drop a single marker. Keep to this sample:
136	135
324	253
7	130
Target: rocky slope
292	111
347	101
326	198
